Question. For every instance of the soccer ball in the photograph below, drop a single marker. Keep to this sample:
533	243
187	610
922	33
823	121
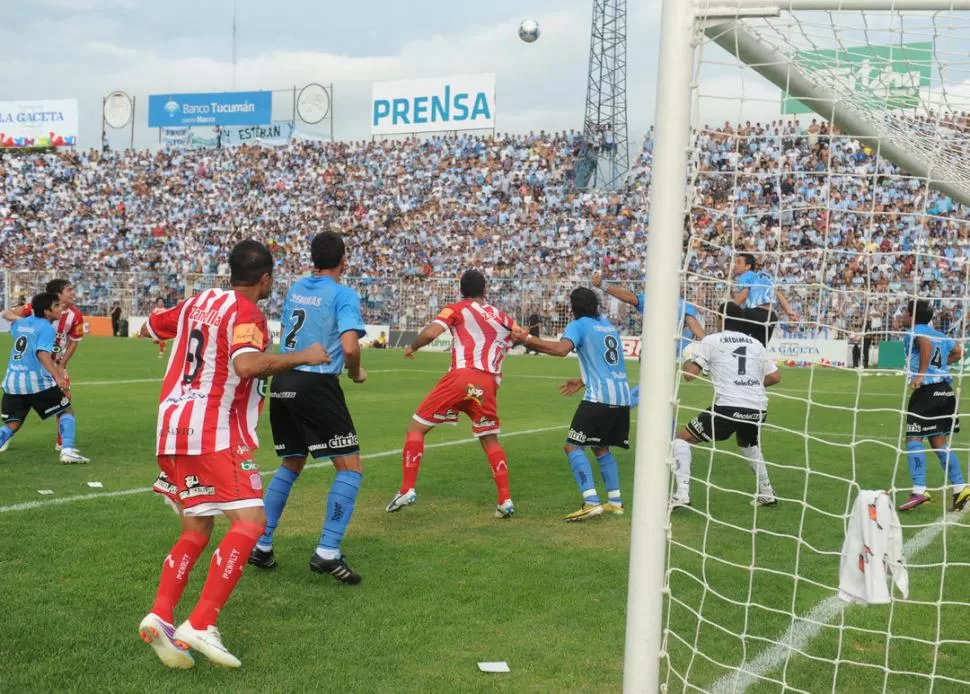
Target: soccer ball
529	30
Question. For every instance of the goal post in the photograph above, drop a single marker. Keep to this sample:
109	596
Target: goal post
779	41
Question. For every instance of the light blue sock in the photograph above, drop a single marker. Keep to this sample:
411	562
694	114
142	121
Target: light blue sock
65	427
275	500
6	433
951	464
635	396
917	463
583	474
340	507
611	476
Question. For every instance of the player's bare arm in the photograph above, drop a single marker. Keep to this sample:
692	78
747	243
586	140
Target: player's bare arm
956	354
45	359
559	348
740	297
351	346
691	370
695	327
69	352
428	335
12	315
262	365
571	387
772	379
925	353
785	306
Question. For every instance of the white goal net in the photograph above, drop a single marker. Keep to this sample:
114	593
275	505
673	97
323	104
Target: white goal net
831	143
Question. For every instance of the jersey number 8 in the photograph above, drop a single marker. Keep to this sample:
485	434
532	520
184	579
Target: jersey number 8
612	353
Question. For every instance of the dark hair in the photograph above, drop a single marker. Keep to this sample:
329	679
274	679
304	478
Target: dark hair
472	284
748	259
41	303
733	316
327	250
584	302
921	310
55	287
248	261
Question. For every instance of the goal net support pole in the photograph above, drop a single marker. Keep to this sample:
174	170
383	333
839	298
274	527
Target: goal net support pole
683	24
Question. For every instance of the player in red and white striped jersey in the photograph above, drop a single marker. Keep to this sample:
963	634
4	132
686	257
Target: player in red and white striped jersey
210	402
69	328
481	336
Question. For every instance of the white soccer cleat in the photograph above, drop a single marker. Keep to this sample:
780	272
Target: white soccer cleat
507	509
680	501
160	635
765	497
71	456
401	500
208	642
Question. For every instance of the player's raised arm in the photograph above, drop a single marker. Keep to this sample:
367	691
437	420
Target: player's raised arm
785	306
956	354
12	315
427	335
624	295
693	324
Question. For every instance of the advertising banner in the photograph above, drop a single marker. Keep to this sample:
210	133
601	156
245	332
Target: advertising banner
793	352
462	102
882	77
223	108
41	123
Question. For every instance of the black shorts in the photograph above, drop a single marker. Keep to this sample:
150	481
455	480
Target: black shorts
597	425
721	422
46	403
932	411
308	415
760	323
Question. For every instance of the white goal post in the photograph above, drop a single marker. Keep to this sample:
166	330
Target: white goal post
745	35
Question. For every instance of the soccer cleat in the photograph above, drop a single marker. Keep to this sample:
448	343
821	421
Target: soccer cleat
679	501
765	498
505	510
335	567
71	456
160	635
915	500
401	500
58	448
208	642
262	559
960	499
587	511
616	508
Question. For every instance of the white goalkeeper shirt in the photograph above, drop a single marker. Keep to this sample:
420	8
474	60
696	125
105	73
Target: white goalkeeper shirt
738	365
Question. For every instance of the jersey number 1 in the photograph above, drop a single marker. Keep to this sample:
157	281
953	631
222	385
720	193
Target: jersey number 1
742	354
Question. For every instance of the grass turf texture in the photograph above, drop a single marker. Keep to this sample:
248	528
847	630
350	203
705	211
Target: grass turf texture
446	586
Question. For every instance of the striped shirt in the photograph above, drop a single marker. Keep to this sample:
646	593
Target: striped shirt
25	374
481	335
205	406
938	370
69	328
599	347
760	286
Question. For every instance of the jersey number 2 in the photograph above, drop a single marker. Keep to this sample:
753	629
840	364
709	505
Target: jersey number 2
299	318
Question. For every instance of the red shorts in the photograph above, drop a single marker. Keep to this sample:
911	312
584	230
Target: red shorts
463	390
208	484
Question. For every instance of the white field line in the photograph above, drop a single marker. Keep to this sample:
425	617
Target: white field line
29	505
805	628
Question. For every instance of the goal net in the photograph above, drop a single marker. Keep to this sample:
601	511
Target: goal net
830	140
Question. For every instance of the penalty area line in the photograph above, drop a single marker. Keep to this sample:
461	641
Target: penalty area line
805	628
43	503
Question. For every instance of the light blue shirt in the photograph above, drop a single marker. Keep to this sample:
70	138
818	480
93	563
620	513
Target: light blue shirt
317	309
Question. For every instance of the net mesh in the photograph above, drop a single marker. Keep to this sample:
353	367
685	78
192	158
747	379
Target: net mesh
850	234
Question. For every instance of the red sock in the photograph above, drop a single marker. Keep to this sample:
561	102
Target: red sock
161	348
500	471
411	460
225	570
175	573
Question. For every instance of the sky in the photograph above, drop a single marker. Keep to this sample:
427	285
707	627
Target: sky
85	49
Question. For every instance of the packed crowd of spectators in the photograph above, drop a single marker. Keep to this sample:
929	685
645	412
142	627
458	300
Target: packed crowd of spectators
848	231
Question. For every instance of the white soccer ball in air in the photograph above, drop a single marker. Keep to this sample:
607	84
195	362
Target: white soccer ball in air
529	30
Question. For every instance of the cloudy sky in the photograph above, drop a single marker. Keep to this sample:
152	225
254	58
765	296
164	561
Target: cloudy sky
86	48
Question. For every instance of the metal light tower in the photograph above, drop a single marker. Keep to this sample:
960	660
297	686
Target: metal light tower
605	122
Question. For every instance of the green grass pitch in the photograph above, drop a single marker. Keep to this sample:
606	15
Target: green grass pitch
445	585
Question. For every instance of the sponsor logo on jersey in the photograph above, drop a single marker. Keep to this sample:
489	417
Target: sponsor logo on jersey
577	436
746	416
344	441
484	423
283	395
195	488
248	465
255	481
163	484
181	431
474	393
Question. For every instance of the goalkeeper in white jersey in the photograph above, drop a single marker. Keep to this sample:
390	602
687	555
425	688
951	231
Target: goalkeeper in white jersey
740	370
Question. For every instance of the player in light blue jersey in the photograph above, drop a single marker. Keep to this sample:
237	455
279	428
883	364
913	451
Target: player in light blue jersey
756	292
308	412
932	408
603	417
33	381
688	318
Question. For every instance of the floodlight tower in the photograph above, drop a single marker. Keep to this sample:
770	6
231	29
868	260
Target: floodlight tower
605	122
